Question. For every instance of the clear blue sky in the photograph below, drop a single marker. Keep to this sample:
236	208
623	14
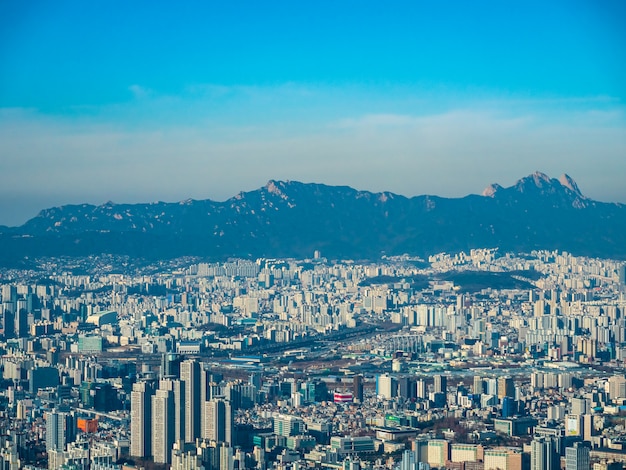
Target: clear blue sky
142	101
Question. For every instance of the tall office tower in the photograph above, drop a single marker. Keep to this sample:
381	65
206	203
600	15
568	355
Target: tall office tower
385	385
577	457
543	454
409	461
190	375
491	386
218	421
141	419
32	303
170	365
357	388
163	418
506	387
21	323
440	384
406	388
8	321
421	389
60	430
478	385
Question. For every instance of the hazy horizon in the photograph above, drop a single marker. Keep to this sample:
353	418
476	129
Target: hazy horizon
146	102
478	192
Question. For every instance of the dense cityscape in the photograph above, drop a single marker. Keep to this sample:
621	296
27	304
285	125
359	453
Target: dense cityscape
481	360
325	235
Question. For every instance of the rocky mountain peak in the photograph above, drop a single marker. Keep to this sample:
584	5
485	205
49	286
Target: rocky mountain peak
277	189
537	180
491	190
274	187
570	184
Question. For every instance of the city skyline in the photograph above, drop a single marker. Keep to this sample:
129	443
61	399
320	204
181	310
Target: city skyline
148	102
242	364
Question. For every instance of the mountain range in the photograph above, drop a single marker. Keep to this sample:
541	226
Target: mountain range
292	219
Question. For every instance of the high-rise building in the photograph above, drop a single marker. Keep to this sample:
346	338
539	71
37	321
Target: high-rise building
226	457
543	454
21	322
209	389
357	388
9	293
256	379
577	457
506	387
409	460
405	388
509	407
579	406
218	421
163	425
190	375
8	320
440	384
617	387
60	430
491	386
588	427
170	365
177	387
232	393
421	389
141	419
420	448
478	385
385	386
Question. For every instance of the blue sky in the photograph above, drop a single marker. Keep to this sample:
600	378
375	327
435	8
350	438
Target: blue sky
144	101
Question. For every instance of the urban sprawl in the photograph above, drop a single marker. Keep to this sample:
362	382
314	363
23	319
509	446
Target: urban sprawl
470	361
